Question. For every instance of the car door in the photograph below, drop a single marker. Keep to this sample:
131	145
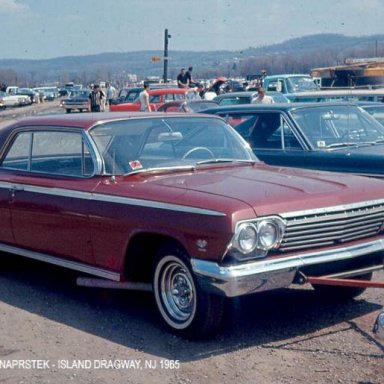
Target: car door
270	136
6	234
49	178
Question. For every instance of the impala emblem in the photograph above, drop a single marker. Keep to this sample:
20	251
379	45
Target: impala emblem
202	244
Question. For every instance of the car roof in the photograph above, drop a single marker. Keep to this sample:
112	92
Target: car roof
274	106
167	91
286	75
341	92
85	121
236	94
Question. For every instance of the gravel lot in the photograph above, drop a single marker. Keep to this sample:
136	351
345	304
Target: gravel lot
55	332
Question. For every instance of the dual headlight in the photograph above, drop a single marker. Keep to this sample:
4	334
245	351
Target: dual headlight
255	238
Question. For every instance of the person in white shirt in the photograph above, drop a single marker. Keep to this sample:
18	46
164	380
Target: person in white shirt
144	99
262	98
111	93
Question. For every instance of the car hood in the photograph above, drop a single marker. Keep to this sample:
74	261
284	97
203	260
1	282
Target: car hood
268	190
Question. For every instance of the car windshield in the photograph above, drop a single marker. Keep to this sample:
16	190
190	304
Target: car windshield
137	145
301	84
332	126
76	94
377	112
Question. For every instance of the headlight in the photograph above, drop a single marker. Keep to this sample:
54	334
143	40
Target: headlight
268	234
255	238
247	237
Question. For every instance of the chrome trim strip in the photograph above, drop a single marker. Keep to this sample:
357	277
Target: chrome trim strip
334	208
274	273
110	198
61	262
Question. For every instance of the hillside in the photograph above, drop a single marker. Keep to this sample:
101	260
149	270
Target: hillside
114	65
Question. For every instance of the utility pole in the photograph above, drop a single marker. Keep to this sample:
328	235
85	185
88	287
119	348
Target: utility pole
166	37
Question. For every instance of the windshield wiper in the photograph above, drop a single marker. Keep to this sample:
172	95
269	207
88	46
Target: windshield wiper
180	168
355	144
217	161
337	145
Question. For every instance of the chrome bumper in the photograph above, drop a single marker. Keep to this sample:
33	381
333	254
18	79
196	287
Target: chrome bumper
267	274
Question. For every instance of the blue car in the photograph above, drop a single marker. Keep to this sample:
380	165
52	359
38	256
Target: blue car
337	136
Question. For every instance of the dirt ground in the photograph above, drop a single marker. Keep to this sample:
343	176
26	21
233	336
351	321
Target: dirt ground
52	331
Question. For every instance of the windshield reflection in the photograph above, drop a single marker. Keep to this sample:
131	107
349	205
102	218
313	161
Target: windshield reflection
338	126
137	145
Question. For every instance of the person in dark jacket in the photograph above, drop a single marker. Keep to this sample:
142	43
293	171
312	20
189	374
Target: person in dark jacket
96	99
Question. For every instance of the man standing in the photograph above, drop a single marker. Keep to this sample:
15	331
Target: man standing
188	76
262	98
182	81
111	92
144	99
95	98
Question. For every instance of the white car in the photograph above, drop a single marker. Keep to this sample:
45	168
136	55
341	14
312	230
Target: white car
14	100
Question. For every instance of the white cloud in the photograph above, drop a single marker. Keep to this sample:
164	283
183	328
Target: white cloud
12	7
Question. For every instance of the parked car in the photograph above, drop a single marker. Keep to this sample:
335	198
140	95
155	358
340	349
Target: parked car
235	98
130	95
127	95
157	97
76	101
326	136
352	95
179	204
33	96
10	100
187	105
47	93
290	84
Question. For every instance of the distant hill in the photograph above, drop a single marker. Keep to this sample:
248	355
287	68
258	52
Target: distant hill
111	65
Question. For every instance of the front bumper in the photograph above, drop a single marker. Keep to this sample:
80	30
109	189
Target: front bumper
75	106
268	274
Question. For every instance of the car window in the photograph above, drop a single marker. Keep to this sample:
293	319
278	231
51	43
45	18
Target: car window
179	96
135	145
234	100
377	113
337	125
155	99
168	97
53	152
264	130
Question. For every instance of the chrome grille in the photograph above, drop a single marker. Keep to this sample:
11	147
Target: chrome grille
332	226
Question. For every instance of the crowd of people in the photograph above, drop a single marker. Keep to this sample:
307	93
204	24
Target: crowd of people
99	98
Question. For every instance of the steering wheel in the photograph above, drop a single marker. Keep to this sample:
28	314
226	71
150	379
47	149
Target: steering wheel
195	149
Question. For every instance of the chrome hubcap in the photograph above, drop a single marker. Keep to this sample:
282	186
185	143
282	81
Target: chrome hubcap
177	291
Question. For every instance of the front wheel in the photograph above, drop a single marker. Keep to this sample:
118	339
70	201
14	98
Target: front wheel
183	305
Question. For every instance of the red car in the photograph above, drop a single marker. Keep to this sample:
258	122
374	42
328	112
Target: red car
157	97
179	204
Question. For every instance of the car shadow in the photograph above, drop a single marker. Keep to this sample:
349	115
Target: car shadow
130	318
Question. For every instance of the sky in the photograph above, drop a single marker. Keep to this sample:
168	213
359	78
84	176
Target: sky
43	29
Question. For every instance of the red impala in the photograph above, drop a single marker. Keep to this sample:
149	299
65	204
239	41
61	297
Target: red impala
178	204
157	97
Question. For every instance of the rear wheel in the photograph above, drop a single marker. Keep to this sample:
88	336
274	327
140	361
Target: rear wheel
183	305
335	292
